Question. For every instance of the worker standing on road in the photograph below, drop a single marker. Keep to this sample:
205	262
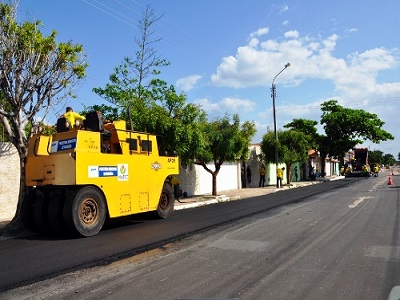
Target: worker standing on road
342	170
262	176
376	170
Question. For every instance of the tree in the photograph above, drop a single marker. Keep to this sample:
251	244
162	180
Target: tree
148	103
134	82
307	127
292	147
346	127
224	141
388	159
375	157
36	73
109	112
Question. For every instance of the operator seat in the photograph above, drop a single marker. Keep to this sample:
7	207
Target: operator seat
63	125
94	122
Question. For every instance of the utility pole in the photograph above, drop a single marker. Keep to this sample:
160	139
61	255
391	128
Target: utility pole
273	95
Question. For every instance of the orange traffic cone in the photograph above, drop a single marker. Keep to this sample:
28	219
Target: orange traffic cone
390	182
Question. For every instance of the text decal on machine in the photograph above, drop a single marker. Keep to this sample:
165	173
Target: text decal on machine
120	171
105	171
63	145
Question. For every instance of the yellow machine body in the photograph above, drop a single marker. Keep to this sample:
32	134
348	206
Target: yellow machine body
126	166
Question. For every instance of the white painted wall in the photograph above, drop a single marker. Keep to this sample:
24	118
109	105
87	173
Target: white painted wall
9	181
195	180
255	164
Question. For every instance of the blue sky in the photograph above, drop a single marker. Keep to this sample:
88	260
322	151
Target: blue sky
224	54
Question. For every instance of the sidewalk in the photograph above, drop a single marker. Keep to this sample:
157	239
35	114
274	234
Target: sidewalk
237	194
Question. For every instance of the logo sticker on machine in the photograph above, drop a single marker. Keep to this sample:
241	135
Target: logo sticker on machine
120	171
155	166
63	145
107	171
93	171
123	172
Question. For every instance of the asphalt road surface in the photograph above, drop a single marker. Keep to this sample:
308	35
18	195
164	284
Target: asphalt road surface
336	240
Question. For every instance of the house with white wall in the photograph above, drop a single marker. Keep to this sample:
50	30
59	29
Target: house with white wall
255	162
195	180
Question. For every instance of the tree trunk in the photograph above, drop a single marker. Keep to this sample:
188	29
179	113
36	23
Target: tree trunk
214	183
214	175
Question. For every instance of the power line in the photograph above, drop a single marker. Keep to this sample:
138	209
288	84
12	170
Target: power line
129	21
114	15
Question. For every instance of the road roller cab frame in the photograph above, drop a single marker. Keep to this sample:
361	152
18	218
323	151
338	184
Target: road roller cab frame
77	178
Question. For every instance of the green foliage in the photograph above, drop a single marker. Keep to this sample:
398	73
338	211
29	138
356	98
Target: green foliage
345	128
109	112
303	125
40	127
223	140
375	156
36	73
292	146
268	145
147	103
162	111
388	159
308	128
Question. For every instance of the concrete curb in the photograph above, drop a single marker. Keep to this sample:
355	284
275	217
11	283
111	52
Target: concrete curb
212	200
330	178
209	199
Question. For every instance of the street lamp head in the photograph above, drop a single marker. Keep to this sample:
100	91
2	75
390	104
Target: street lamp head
287	65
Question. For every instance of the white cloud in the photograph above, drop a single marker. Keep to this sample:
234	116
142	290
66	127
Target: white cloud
259	32
354	76
188	83
292	34
357	78
236	105
207	105
228	105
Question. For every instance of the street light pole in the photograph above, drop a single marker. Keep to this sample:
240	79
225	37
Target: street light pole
273	94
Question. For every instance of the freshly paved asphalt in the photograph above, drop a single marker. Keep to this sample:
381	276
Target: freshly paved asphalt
32	258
